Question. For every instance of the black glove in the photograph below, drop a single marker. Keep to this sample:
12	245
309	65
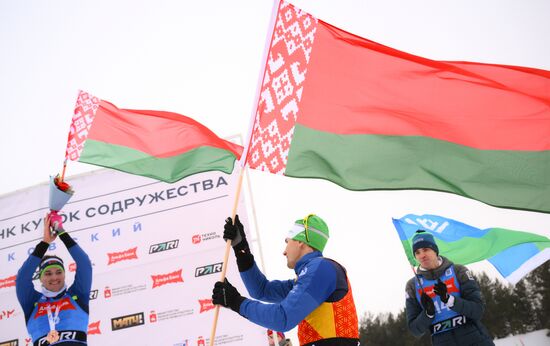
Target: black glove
226	295
440	288
235	232
428	304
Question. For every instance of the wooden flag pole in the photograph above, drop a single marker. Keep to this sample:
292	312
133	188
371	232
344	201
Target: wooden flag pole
64	168
244	156
226	256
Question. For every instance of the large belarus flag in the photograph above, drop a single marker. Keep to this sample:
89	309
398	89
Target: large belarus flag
365	116
513	253
161	145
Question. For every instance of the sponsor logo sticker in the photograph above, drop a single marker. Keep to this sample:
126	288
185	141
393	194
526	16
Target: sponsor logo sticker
64	304
164	279
206	305
127	321
126	255
93	328
165	246
470	275
208	269
199	238
451	287
8	282
196	239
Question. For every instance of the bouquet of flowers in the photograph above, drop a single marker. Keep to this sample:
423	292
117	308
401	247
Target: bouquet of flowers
60	193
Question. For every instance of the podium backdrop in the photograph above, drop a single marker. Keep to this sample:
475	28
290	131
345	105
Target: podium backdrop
156	250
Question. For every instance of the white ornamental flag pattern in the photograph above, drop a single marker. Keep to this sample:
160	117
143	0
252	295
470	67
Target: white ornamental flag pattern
285	72
84	112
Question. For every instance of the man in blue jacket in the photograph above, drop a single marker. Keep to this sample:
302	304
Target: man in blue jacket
319	301
443	298
57	315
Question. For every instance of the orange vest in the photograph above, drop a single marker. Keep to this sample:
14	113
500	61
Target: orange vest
331	320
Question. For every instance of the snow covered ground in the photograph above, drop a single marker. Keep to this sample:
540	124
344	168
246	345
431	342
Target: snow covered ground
536	338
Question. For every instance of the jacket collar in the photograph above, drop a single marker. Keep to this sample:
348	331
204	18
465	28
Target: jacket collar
305	259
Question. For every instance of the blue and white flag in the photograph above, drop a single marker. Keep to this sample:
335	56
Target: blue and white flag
513	253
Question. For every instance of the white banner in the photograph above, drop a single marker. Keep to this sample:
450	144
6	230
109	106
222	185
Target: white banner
156	250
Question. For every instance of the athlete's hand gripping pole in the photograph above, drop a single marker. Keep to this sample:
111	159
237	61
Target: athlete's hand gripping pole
226	255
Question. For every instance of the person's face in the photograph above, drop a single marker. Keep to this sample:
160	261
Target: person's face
293	252
427	258
53	279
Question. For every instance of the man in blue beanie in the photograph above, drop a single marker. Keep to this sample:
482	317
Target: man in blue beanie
443	298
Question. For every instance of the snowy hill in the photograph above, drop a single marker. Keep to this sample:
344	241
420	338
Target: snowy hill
536	338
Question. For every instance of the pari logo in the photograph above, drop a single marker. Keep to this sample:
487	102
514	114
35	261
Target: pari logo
208	269
66	335
206	305
201	341
164	279
72	267
167	245
127	321
8	282
14	342
126	255
93	328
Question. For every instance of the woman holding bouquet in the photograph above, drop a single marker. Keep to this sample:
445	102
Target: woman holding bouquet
56	315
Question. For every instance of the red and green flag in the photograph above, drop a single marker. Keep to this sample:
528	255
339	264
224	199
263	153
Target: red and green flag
339	107
161	145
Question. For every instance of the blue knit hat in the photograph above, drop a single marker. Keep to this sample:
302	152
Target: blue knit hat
50	262
423	239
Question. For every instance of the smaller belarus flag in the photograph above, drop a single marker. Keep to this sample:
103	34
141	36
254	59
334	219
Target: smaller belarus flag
513	253
160	145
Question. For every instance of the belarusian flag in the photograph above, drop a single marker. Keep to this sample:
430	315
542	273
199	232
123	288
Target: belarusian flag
365	116
161	145
513	253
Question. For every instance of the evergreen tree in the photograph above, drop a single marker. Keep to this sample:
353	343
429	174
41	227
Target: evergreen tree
544	290
389	330
524	315
498	306
540	293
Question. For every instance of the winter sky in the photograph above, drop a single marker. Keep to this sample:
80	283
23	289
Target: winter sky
203	58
